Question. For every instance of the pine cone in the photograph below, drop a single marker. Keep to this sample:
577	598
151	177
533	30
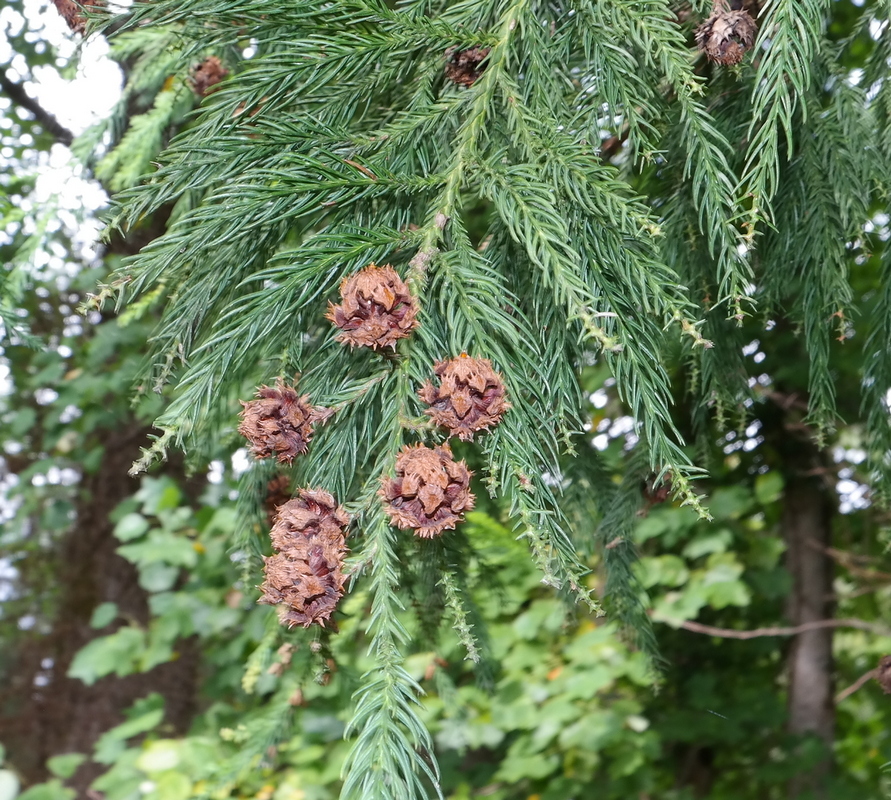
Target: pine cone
280	423
206	75
469	398
464	67
431	491
726	36
883	674
377	309
306	575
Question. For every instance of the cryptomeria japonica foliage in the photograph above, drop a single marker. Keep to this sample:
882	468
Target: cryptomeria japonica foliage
421	221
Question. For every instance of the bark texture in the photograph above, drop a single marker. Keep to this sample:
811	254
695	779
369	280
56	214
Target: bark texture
808	509
42	711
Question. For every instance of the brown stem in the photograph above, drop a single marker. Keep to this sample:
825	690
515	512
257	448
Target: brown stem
731	633
16	92
846	693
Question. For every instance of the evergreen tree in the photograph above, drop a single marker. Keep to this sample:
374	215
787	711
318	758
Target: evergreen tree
555	188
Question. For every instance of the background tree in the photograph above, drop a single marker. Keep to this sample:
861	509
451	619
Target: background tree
570	209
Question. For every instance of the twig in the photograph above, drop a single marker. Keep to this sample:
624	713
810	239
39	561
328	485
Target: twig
19	96
845	693
731	633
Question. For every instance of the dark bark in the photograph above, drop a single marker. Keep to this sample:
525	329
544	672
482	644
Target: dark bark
806	517
42	711
806	523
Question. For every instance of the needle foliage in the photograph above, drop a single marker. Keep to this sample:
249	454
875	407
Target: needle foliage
595	192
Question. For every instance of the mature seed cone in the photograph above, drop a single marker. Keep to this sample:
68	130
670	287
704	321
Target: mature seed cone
312	515
206	75
431	491
726	36
280	423
469	398
377	308
464	67
306	575
883	674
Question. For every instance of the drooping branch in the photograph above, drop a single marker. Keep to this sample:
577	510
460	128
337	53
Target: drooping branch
16	92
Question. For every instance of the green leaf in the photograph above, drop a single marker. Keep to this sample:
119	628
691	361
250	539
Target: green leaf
159	756
115	654
144	715
667	570
103	614
711	542
156	577
131	526
158	494
51	790
65	765
172	786
732	503
161	547
769	487
20	422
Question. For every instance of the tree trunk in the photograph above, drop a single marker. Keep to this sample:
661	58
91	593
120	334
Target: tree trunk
46	713
806	522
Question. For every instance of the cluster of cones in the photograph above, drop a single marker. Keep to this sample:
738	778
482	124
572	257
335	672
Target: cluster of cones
729	32
430	491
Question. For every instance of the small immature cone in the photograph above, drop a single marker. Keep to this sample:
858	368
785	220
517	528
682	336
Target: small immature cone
470	396
726	35
430	492
464	67
377	309
305	577
280	423
206	75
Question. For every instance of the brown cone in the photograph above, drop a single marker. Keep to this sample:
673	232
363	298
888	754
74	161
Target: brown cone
306	576
883	674
206	75
377	309
73	15
280	423
726	36
464	67
430	492
470	396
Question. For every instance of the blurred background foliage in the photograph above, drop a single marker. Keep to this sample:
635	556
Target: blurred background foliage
135	663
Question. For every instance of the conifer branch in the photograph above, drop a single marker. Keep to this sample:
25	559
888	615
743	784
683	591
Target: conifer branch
794	28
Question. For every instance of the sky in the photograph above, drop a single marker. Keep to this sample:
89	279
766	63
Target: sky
77	102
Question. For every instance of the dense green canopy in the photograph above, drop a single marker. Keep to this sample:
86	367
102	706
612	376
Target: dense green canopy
656	231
